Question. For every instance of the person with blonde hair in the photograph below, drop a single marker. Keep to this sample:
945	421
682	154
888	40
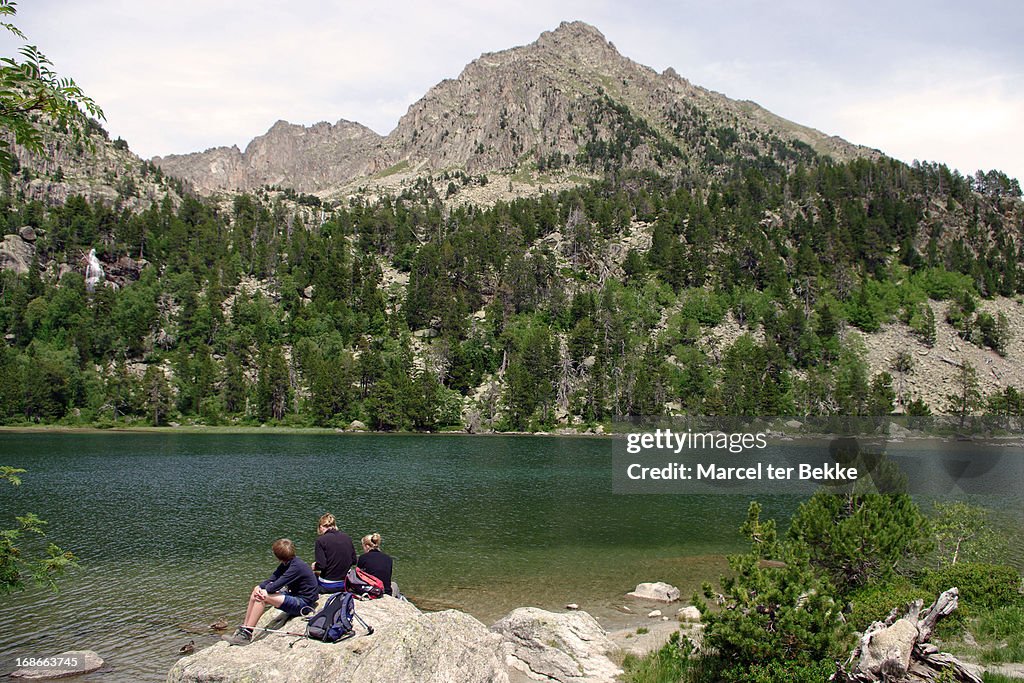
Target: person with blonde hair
292	588
376	562
334	553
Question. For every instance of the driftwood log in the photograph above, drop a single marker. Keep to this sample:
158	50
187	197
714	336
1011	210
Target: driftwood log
897	649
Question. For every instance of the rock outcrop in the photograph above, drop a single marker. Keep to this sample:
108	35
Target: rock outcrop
565	647
16	253
99	170
407	645
309	159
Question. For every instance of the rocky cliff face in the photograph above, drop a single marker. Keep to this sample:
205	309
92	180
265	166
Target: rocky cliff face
569	97
570	89
96	168
309	159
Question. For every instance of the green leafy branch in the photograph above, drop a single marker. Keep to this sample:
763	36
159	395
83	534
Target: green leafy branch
14	565
30	88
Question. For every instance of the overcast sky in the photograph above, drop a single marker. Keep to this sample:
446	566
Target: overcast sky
918	79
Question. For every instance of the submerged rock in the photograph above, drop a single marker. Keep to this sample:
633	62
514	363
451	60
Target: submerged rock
71	663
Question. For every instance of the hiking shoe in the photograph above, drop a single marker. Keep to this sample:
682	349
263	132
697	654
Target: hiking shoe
242	636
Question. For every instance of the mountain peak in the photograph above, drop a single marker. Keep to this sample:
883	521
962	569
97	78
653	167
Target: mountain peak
577	34
577	30
568	98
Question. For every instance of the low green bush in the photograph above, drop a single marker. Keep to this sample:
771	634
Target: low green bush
874	602
781	672
981	586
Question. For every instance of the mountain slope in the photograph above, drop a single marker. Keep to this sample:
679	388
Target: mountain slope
569	98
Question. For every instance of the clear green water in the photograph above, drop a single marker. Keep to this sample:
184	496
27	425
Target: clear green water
174	530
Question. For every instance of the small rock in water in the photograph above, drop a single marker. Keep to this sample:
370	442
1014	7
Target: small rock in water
572	606
655	613
65	664
659	591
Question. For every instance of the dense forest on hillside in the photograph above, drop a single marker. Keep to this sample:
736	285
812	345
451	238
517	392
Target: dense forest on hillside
411	312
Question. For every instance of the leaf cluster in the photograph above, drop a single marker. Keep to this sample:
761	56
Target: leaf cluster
15	564
29	88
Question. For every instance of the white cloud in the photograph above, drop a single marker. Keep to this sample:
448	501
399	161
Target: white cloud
970	121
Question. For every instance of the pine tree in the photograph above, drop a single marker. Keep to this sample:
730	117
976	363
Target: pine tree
272	386
857	538
968	393
774	608
156	395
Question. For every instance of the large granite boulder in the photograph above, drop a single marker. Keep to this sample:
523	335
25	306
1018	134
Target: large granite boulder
407	645
546	646
16	254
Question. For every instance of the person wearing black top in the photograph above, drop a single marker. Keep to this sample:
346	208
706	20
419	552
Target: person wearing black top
335	554
375	562
292	588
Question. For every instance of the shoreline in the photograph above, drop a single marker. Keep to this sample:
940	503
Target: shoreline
263	429
775	438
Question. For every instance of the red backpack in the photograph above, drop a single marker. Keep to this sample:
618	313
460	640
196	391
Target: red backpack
363	584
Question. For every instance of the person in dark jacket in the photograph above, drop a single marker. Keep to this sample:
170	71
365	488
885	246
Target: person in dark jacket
292	588
375	562
335	554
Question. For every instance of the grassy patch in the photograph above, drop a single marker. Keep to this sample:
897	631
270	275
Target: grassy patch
997	678
392	170
1000	634
675	662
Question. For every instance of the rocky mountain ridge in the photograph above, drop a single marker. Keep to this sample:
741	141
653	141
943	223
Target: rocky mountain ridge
323	156
569	98
98	169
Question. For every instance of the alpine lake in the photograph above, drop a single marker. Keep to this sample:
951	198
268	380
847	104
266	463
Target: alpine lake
172	530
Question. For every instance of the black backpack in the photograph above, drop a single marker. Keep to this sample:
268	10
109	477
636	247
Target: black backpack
336	621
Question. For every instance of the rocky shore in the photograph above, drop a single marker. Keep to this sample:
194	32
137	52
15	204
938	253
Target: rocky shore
410	645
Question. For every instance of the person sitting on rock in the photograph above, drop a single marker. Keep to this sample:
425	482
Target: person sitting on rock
374	561
292	588
335	554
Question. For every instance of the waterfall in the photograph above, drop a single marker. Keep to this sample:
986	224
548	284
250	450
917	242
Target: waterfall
93	272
